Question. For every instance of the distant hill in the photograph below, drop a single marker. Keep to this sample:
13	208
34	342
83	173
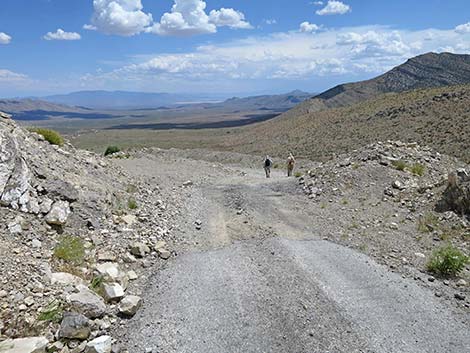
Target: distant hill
266	102
424	71
436	117
123	100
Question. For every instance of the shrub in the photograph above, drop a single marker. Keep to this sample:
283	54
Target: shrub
418	169
111	150
428	223
447	261
70	249
53	312
132	203
399	165
51	136
298	174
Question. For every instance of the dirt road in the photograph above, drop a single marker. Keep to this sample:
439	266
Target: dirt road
257	278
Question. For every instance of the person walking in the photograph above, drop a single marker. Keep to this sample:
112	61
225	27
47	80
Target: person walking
267	166
290	164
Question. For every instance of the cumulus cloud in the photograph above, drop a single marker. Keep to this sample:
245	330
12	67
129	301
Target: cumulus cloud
270	21
4	38
307	27
60	34
189	17
334	7
464	28
229	17
119	17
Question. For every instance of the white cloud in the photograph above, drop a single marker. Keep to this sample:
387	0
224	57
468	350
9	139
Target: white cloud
270	21
189	17
307	27
60	34
11	77
358	52
464	28
4	38
229	17
334	8
119	17
318	3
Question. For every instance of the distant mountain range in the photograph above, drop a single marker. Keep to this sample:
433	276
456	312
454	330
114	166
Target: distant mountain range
425	100
124	100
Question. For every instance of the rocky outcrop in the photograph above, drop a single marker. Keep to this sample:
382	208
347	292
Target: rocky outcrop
456	196
24	345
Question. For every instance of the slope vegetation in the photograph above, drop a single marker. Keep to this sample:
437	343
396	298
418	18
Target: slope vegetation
437	117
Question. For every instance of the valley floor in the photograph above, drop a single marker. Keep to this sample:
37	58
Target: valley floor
256	271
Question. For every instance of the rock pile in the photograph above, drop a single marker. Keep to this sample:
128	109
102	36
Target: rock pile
72	251
396	201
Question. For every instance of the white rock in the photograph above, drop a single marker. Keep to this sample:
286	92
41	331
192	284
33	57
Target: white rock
66	279
112	291
129	219
109	270
130	304
24	345
59	213
87	303
100	344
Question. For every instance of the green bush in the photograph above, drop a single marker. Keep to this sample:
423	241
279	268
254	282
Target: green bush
111	150
418	169
399	165
298	174
53	312
447	261
132	203
51	136
70	249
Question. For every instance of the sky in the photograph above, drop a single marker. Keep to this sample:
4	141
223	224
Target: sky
219	47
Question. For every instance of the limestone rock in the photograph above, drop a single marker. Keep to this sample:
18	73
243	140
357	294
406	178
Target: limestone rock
112	291
87	303
129	305
74	326
139	249
24	345
66	279
59	213
164	254
102	344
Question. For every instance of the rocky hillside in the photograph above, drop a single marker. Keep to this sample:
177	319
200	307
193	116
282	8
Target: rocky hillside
438	118
424	71
76	233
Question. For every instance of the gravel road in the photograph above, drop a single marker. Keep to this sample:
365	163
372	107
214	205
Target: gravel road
257	278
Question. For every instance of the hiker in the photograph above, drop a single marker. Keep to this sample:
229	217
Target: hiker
267	166
290	164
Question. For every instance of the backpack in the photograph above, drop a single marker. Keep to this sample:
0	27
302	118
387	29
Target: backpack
267	163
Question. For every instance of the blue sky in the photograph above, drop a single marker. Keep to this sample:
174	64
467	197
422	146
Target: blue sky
216	46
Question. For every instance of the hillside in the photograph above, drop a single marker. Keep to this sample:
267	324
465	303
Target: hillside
267	102
424	71
437	117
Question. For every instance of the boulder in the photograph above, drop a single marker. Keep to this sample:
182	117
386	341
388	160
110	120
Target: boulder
129	219
87	303
129	305
164	254
74	326
102	344
5	115
24	345
139	249
66	279
112	291
59	213
109	270
456	196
